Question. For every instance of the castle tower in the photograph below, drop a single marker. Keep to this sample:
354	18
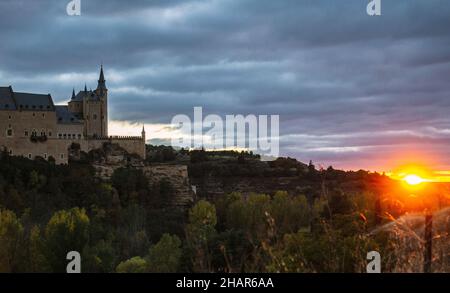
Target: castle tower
143	132
144	150
102	93
95	105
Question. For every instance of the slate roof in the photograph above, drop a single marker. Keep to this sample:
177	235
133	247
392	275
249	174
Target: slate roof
79	97
6	99
81	94
33	102
65	117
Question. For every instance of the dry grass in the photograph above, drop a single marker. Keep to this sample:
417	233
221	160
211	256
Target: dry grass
406	240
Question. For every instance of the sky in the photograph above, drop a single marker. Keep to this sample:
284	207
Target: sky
351	90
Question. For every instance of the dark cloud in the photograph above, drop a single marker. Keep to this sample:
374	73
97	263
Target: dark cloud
351	90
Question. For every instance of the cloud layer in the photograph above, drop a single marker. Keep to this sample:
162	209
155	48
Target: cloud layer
351	90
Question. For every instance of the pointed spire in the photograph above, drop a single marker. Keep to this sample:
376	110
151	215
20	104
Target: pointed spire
73	94
143	132
101	80
85	88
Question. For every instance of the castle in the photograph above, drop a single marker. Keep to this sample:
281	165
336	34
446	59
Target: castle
31	125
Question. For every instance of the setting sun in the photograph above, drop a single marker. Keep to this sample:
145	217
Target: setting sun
413	179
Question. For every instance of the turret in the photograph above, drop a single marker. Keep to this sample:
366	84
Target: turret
101	87
143	132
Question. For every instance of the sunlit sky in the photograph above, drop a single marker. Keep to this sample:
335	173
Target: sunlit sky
352	91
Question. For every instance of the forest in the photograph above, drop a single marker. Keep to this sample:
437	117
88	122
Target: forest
127	225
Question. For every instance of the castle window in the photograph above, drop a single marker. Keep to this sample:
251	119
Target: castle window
43	115
45	156
34	114
62	156
26	133
9	117
29	156
9	132
49	133
65	136
34	132
42	133
79	136
10	152
60	136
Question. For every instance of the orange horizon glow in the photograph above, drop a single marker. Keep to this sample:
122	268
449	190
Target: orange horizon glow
414	174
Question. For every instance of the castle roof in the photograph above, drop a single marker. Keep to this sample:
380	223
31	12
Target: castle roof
64	116
81	94
10	100
101	80
6	100
33	102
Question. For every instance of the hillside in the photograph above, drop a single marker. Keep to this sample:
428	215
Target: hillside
197	211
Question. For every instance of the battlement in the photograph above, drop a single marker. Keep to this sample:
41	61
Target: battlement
116	137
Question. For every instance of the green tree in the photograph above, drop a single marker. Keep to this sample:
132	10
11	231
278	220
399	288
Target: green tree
66	231
165	256
199	232
134	265
36	258
11	233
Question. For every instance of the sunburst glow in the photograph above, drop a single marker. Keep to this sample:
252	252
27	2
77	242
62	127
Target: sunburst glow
413	179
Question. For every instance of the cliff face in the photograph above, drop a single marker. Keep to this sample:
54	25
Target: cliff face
211	188
207	180
112	157
178	177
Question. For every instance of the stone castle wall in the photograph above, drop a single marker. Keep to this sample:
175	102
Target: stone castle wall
132	144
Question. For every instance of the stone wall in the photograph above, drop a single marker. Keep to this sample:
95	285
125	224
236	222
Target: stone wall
21	145
56	148
177	175
132	144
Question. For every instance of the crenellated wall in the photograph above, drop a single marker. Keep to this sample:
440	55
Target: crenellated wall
132	144
58	148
